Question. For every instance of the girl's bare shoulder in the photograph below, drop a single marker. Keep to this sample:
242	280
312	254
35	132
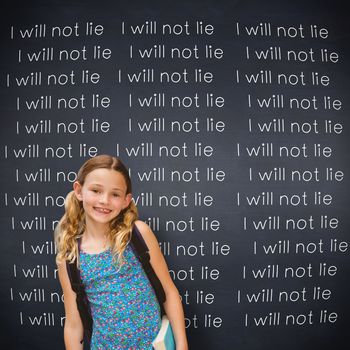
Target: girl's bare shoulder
145	231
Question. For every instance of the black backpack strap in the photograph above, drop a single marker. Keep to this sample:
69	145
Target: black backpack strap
141	251
74	276
82	300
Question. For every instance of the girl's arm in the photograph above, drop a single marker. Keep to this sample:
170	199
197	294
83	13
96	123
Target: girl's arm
73	327
173	306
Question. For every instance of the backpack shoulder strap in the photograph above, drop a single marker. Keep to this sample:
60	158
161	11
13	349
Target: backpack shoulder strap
82	301
74	275
139	244
142	252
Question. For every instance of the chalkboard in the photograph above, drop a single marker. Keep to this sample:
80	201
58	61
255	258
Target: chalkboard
232	118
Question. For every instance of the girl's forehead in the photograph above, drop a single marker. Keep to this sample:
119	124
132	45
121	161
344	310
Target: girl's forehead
104	176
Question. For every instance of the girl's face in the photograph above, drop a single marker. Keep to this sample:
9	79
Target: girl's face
103	195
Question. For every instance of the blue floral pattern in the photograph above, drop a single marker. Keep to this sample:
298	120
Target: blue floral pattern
124	307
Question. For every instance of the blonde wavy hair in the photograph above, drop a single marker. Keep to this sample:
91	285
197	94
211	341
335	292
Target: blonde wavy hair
72	224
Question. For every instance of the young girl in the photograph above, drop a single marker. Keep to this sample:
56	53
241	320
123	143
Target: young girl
125	311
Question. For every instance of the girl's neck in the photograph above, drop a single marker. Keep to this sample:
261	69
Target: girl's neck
95	238
95	229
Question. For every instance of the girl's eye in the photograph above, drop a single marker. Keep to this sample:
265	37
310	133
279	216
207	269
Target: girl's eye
115	195
95	190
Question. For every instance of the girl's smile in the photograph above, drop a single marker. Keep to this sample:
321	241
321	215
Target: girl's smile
103	210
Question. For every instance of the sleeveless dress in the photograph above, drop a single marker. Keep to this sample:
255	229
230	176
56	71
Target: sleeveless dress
124	307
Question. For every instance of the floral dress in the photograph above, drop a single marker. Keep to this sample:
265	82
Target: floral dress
125	310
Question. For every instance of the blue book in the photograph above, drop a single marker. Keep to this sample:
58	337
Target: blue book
165	338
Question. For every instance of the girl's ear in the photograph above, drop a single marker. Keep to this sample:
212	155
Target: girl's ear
77	190
127	201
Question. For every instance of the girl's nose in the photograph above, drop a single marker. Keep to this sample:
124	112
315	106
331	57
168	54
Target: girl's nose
103	198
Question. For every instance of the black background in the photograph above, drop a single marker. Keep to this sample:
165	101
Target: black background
223	15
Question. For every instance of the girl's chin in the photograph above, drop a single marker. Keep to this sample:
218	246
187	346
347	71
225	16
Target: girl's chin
101	218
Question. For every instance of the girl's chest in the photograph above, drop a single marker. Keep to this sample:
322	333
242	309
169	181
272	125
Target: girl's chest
101	269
